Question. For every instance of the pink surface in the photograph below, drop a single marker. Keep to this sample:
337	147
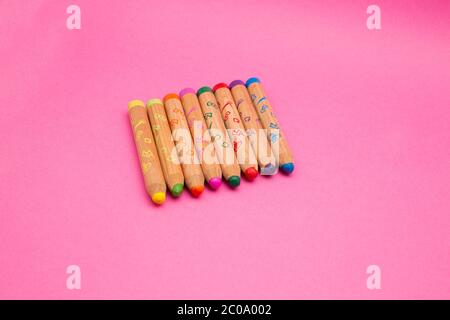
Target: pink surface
366	114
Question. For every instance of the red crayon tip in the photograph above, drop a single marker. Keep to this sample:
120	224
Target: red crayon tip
219	85
250	174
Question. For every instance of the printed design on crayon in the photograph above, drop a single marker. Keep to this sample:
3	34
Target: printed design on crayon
253	96
189	152
177	110
147	154
147	140
260	100
140	122
190	111
263	108
273	137
227	115
205	137
165	152
192	119
226	104
238	103
156	129
211	104
146	166
207	115
236	145
235	133
244	117
173	123
251	132
139	134
217	137
159	116
274	125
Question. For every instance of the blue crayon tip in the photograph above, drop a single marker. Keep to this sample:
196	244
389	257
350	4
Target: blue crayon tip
287	168
252	80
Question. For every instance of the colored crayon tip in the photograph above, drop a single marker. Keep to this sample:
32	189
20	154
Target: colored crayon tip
197	191
135	103
186	91
220	85
287	168
268	170
215	183
159	197
177	189
170	96
203	90
235	83
250	174
234	181
153	101
252	80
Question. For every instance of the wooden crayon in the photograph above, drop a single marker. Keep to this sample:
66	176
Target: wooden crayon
255	130
269	121
165	146
236	130
146	148
202	140
193	175
222	143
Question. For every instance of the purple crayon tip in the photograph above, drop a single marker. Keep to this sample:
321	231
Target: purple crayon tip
235	83
186	91
215	183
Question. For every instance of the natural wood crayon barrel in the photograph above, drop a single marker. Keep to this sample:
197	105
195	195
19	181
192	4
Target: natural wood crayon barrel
269	121
241	144
146	148
222	143
165	146
255	131
193	174
202	140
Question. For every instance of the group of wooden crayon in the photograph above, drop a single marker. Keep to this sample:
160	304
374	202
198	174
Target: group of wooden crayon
232	112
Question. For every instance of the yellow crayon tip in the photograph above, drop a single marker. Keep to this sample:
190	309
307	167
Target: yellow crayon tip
153	101
135	103
159	197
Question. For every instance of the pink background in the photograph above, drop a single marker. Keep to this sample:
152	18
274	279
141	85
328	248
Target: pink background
366	114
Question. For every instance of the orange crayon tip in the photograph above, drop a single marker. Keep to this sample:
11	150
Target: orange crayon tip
170	96
197	191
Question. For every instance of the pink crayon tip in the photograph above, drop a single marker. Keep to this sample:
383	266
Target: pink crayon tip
186	91
215	183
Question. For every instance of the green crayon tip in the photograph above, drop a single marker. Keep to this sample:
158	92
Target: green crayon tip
177	189
234	181
203	89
